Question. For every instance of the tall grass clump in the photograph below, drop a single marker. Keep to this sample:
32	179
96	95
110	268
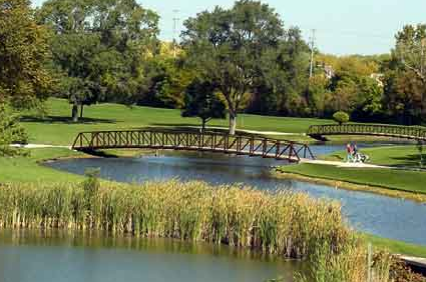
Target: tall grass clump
284	223
352	264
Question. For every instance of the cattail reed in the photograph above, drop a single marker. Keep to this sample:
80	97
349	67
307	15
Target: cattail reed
283	223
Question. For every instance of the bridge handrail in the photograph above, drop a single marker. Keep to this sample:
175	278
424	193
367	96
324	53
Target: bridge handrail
254	137
172	139
413	132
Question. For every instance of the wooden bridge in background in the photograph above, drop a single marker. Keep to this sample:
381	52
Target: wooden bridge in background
193	141
393	131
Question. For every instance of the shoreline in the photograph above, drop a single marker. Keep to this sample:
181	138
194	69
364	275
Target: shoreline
338	184
276	172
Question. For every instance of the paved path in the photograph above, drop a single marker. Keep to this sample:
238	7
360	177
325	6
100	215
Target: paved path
343	164
276	133
39	146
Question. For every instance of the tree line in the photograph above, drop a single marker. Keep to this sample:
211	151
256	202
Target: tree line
228	61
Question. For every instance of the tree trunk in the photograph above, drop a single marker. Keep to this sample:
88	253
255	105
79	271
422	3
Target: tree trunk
81	110
74	112
232	123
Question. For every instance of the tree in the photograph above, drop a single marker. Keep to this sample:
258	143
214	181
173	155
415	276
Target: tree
318	91
99	47
11	131
201	101
402	96
344	89
168	79
411	51
227	46
282	80
368	102
24	80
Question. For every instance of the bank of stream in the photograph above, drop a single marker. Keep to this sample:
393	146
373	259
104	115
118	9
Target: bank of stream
61	256
379	215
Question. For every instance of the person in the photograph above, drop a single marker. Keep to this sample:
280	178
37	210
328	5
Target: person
355	155
349	151
355	149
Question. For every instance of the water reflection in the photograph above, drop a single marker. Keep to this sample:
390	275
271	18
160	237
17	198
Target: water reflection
60	256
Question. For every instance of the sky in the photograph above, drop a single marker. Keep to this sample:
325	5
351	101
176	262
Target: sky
342	26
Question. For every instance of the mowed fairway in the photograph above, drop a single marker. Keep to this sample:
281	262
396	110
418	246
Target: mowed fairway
57	129
29	168
409	181
398	156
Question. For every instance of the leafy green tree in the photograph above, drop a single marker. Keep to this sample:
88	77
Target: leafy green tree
283	77
201	101
368	102
99	46
169	79
403	96
354	64
411	51
10	131
227	46
318	92
344	89
24	80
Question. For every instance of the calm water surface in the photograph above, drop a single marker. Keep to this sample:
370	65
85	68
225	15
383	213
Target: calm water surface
33	256
380	215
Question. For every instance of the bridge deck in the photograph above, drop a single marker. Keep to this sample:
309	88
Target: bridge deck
393	131
190	141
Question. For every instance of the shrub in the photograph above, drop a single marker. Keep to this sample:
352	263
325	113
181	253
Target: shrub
341	117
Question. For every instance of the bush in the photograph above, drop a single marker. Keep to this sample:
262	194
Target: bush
341	117
11	132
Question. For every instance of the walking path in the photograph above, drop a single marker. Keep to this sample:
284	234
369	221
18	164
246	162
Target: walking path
343	164
38	146
276	133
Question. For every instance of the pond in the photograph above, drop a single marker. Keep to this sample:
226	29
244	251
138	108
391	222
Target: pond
35	256
380	215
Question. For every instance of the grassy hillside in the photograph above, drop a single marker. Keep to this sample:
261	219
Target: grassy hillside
57	129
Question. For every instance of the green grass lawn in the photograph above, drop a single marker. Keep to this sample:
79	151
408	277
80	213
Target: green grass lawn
57	129
398	156
396	247
28	169
410	181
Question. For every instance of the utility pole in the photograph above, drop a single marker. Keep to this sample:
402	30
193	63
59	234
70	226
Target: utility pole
176	20
311	69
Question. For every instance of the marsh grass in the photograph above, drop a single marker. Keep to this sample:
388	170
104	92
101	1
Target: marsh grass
287	224
283	223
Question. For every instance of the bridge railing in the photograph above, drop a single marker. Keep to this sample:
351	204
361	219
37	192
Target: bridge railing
217	142
409	132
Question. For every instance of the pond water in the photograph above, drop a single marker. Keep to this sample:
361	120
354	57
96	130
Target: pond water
376	214
35	256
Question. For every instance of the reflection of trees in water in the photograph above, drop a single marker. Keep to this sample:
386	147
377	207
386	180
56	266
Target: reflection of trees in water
97	239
